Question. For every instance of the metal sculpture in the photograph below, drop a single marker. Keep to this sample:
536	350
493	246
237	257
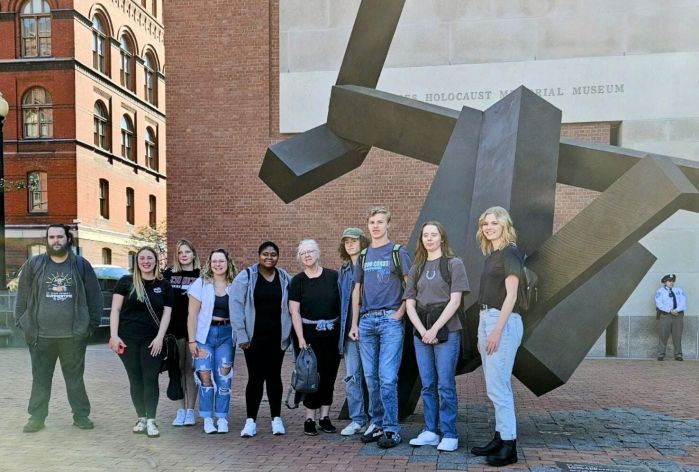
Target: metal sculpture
509	155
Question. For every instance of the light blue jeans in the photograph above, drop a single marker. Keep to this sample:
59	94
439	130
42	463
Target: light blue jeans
437	366
381	348
214	400
497	368
354	382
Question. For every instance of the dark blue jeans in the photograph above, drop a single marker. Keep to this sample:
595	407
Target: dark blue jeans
71	352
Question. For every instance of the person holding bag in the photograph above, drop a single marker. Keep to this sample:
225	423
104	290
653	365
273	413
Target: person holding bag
140	315
433	293
314	304
211	339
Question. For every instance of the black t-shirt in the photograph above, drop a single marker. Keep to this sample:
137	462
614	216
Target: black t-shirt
268	307
319	297
180	282
135	321
498	265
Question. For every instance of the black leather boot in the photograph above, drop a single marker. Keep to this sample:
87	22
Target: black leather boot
493	446
506	455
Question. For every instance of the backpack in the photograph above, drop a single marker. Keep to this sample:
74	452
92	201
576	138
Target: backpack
528	290
305	378
395	254
443	270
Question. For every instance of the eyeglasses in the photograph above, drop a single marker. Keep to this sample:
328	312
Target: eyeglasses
307	253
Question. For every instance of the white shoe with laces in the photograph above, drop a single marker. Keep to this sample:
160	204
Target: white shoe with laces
448	444
179	419
250	429
277	426
222	425
209	427
152	428
189	418
140	425
352	429
426	438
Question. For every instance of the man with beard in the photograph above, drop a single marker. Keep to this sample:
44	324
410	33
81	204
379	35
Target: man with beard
59	305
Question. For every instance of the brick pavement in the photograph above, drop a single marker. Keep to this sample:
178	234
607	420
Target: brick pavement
637	415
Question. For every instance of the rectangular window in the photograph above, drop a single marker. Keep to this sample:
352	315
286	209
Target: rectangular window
104	198
152	217
106	256
132	260
35	250
129	205
38	192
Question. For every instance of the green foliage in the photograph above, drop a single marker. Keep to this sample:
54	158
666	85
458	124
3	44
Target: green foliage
14	185
153	236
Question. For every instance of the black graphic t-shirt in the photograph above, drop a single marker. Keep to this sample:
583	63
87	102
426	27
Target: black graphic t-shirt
180	282
134	319
57	301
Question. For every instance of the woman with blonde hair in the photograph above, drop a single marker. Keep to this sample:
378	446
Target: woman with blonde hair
500	328
183	272
211	339
314	304
140	315
433	293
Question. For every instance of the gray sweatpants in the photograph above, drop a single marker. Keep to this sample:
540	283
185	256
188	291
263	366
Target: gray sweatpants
668	324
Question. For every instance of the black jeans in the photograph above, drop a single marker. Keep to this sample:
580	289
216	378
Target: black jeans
71	352
143	371
264	359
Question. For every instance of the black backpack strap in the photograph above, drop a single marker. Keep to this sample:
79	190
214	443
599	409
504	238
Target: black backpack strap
362	258
444	270
395	253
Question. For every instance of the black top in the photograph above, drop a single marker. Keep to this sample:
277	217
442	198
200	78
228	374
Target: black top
319	297
268	307
135	320
221	307
180	282
498	265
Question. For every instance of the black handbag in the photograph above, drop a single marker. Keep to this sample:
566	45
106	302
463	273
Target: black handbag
428	315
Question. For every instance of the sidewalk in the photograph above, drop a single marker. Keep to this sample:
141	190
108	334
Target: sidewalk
642	415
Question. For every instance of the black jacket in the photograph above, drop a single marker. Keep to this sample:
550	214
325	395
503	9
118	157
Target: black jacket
88	303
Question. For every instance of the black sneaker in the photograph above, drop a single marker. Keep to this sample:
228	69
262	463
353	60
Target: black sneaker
83	422
33	425
309	428
389	440
372	434
678	357
326	426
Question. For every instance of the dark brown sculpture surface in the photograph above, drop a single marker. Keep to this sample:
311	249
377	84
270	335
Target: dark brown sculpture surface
510	155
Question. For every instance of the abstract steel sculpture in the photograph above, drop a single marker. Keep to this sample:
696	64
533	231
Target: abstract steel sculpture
509	155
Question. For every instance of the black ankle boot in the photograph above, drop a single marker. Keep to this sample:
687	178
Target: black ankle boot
506	455
493	446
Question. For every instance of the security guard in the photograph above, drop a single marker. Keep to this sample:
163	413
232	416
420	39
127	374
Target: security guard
670	304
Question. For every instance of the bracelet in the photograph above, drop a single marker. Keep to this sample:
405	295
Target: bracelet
191	342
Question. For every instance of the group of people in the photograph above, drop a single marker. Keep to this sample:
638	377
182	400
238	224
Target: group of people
355	313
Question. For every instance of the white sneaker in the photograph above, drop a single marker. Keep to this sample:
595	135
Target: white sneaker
277	426
448	444
189	418
222	425
352	429
179	419
152	428
140	425
250	429
426	438
209	427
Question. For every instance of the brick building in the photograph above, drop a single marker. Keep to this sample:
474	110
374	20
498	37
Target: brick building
246	74
86	127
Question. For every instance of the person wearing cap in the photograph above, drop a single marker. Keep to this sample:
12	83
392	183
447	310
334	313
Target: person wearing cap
670	304
352	242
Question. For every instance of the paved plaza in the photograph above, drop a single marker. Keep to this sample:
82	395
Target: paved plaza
631	415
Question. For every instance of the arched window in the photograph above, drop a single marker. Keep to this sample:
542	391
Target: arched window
127	62
35	17
38	192
37	114
127	138
150	67
151	149
100	45
101	126
106	256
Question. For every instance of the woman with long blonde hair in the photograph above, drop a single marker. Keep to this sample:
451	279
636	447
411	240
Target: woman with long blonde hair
140	315
500	328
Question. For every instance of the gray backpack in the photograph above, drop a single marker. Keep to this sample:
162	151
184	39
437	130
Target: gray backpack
305	378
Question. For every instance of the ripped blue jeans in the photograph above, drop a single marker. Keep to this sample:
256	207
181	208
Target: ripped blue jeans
217	358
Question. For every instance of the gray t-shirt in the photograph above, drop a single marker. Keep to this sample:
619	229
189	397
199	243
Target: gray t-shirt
382	285
57	301
431	288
